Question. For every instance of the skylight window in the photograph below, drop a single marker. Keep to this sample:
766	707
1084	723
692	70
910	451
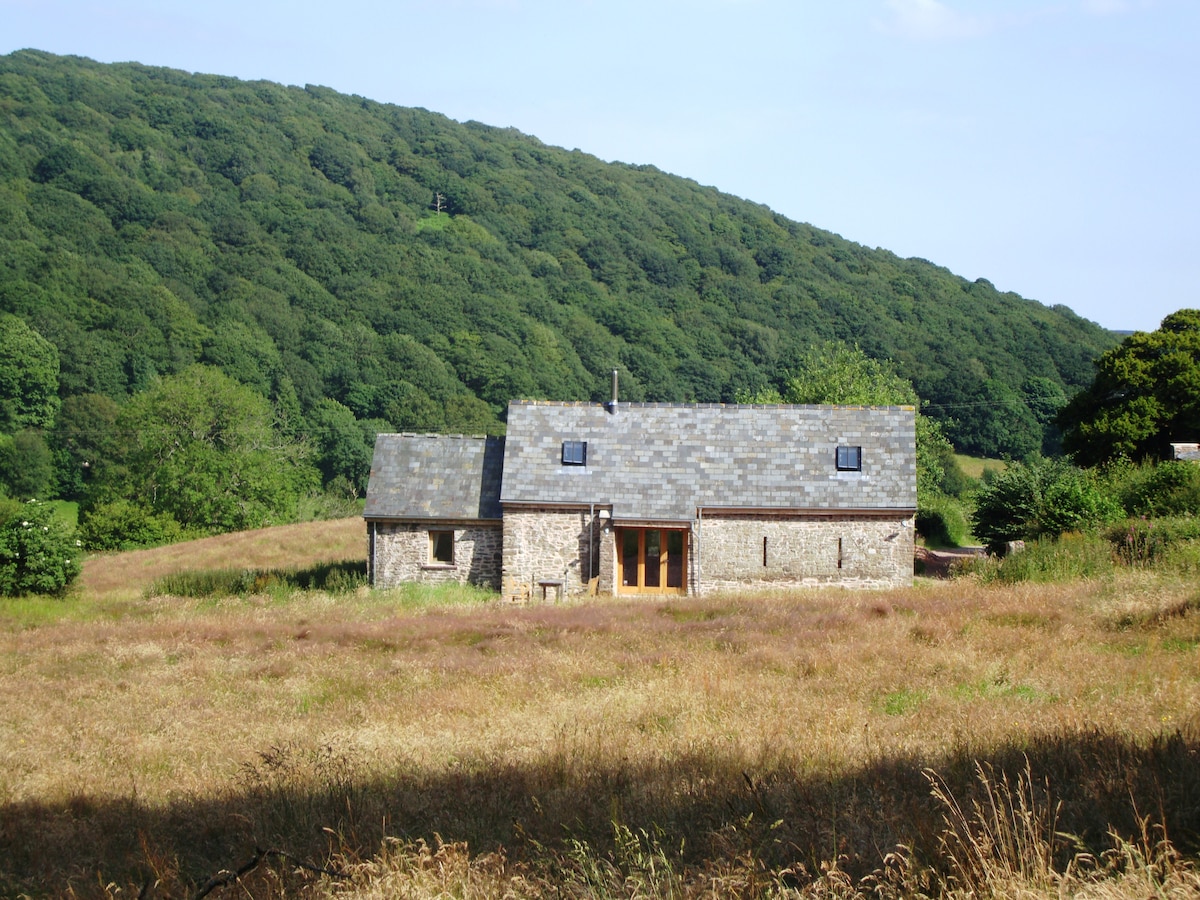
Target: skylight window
574	453
849	459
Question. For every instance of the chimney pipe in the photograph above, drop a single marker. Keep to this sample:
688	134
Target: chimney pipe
612	404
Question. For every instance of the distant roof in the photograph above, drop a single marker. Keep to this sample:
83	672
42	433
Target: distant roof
659	461
429	476
1190	451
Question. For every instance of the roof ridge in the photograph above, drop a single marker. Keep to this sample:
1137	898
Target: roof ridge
669	404
434	434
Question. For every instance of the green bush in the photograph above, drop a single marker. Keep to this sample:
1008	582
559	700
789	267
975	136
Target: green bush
1041	498
1170	488
38	552
334	577
125	525
942	521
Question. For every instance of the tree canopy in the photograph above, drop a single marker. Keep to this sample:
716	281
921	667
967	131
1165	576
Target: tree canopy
421	272
206	451
1145	394
28	377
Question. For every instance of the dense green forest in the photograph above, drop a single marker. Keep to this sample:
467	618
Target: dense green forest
368	267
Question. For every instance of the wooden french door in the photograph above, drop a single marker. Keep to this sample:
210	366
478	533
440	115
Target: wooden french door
652	560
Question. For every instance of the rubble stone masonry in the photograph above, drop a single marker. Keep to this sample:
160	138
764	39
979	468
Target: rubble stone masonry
402	553
740	552
549	545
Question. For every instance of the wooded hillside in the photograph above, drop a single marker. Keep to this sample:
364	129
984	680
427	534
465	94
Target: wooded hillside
421	272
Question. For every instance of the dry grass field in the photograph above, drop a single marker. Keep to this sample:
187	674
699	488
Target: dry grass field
1028	740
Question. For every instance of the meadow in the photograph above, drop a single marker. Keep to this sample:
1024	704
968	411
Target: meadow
954	739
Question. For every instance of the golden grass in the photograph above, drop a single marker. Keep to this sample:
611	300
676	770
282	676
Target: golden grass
746	745
122	576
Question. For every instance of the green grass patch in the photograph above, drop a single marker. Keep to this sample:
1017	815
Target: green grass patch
1019	620
419	596
1047	561
1181	645
1132	649
1000	689
35	609
903	701
433	223
336	577
65	511
973	466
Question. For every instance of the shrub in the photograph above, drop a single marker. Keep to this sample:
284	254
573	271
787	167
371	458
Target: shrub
1073	500
1170	488
1041	498
38	552
125	525
942	521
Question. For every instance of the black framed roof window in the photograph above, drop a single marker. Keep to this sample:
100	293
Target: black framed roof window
574	453
849	459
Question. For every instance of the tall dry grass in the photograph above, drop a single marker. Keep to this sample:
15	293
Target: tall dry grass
744	745
122	576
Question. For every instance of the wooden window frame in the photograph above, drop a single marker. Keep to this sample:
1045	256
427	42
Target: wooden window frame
434	535
640	586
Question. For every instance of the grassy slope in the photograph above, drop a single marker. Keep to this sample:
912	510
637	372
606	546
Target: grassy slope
126	575
167	738
973	466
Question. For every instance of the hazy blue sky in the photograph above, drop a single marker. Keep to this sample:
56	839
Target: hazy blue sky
1050	146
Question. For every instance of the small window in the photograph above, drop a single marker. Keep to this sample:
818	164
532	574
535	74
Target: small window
441	548
849	459
574	453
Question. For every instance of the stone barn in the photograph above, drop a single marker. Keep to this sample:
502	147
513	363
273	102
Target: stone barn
651	499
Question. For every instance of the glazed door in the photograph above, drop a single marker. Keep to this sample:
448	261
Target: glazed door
652	561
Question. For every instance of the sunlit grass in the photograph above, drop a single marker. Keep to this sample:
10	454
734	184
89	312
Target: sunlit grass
973	466
427	740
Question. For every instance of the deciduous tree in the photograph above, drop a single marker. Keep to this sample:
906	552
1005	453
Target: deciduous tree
28	377
204	449
1145	395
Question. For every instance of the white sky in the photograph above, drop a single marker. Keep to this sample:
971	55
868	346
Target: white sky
1050	146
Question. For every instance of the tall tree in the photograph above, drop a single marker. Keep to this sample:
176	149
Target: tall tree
28	377
204	449
1145	395
26	465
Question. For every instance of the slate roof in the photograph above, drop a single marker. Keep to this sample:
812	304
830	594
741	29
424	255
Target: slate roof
659	462
435	477
1190	451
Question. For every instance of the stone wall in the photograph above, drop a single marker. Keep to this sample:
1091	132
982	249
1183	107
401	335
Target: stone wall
402	553
553	545
849	551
